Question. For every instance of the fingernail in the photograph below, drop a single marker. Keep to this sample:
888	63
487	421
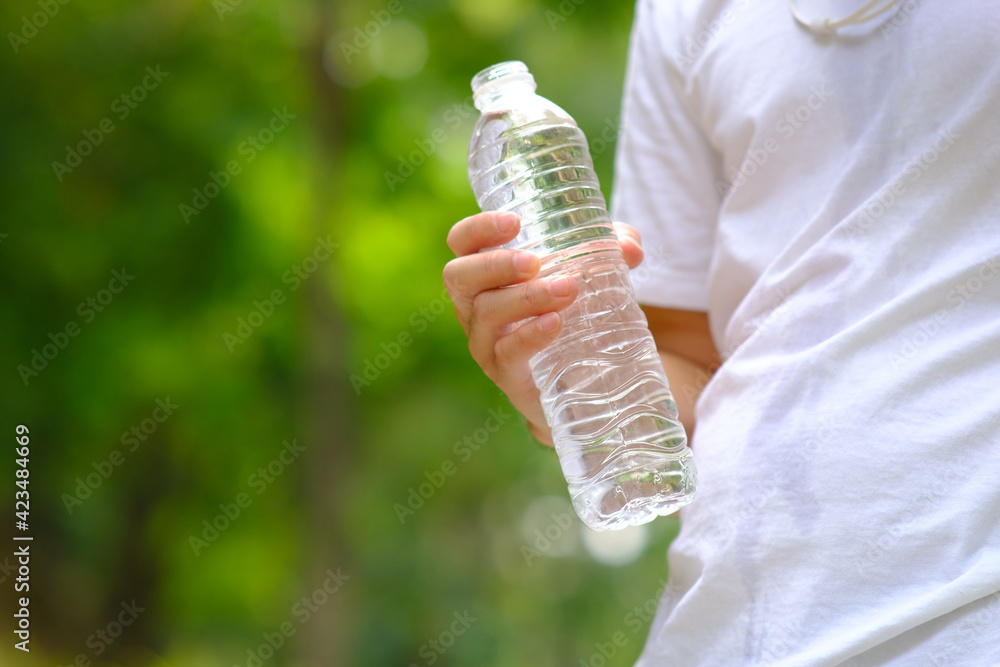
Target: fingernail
548	322
525	262
505	222
560	286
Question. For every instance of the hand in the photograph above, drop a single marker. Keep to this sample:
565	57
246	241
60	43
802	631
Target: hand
493	292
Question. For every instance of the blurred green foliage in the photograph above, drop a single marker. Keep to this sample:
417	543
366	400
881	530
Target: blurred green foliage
241	315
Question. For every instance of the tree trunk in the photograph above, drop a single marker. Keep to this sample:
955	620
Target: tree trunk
331	406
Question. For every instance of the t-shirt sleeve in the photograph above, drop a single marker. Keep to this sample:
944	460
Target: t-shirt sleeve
665	170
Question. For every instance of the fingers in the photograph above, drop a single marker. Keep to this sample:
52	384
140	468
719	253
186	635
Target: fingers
515	349
502	306
467	277
631	244
471	274
483	230
507	316
494	310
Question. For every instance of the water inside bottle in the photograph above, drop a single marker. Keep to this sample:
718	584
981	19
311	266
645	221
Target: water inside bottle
603	389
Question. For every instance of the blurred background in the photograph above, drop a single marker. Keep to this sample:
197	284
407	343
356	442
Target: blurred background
256	435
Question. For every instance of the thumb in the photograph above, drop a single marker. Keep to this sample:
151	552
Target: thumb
630	242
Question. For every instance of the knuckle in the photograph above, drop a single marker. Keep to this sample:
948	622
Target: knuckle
458	235
525	336
480	310
504	354
452	239
449	278
483	352
496	263
534	295
512	351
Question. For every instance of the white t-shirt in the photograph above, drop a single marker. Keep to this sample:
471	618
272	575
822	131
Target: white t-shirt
834	205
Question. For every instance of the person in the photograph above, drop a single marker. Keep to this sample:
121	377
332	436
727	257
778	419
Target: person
823	197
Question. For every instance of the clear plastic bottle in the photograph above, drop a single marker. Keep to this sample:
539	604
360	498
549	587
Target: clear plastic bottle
603	389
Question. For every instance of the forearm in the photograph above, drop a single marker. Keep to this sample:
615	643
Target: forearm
687	379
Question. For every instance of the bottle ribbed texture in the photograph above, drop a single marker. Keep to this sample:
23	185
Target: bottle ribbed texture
602	385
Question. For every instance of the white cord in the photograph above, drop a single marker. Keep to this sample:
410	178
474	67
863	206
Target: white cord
826	26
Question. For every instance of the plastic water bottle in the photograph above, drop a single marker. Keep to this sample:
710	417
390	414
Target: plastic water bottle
603	389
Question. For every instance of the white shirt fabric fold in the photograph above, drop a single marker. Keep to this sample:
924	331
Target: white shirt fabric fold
833	203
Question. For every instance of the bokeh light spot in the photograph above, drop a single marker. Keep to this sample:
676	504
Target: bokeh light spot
489	18
399	51
616	547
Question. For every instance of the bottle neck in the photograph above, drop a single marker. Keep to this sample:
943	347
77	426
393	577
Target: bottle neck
492	97
495	83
